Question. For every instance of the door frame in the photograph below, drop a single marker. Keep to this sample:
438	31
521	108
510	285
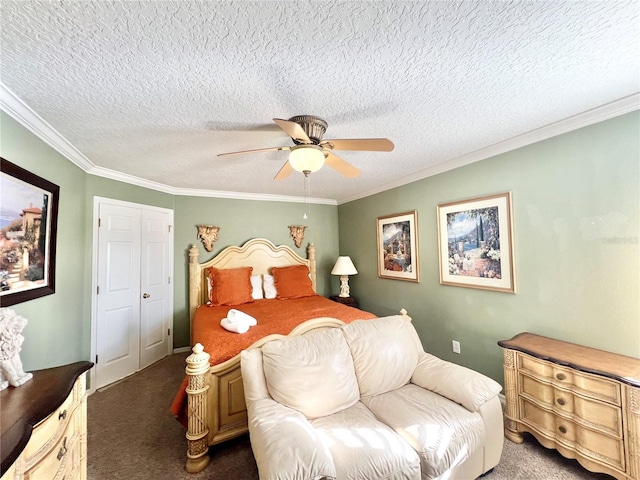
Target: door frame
97	201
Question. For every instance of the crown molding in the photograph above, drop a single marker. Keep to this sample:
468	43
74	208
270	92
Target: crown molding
23	114
590	117
191	192
265	197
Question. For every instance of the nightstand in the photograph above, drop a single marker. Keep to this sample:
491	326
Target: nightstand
350	301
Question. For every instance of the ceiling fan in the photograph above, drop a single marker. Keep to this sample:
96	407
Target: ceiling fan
311	152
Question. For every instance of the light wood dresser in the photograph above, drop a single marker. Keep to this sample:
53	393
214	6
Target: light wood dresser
44	426
581	401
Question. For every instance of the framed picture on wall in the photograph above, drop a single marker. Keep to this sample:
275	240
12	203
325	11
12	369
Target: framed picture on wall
475	243
398	246
28	226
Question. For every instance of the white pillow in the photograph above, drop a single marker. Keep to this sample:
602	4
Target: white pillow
256	284
269	286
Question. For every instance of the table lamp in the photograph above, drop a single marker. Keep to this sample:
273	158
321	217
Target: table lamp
344	267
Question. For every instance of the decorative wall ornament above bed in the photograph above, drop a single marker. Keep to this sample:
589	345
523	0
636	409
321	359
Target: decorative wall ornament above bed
208	234
297	234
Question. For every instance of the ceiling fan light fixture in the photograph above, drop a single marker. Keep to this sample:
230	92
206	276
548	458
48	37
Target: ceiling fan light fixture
306	158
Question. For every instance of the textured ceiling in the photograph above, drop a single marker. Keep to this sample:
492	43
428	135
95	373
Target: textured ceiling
156	90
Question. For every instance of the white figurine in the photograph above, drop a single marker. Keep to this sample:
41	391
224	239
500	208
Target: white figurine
11	372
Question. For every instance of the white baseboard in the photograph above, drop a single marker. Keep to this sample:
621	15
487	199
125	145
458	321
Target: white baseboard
181	350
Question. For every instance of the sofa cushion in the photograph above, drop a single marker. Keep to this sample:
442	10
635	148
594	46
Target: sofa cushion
285	445
443	433
385	352
470	389
363	447
255	385
312	373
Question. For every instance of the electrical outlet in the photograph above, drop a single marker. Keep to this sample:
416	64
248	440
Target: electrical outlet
456	346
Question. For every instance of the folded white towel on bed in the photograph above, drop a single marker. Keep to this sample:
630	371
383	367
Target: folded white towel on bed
237	321
236	316
241	326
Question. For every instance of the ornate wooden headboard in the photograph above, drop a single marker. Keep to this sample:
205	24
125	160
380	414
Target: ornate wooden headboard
258	253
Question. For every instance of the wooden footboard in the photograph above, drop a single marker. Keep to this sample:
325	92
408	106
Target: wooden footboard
216	407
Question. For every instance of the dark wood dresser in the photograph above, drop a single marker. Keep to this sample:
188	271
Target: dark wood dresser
43	425
581	401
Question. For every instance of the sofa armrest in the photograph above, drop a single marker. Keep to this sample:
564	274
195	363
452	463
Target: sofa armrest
285	445
462	385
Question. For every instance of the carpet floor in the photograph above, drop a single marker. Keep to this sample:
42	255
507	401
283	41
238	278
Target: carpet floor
131	435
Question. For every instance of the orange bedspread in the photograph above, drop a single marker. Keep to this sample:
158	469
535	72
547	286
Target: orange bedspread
273	316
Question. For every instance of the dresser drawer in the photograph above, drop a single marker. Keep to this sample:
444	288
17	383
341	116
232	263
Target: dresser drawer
588	442
56	447
585	411
49	430
588	385
59	464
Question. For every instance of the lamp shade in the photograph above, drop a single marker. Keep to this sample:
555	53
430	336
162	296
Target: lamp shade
344	266
306	158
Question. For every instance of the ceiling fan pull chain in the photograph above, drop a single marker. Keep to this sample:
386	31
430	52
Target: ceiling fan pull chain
307	194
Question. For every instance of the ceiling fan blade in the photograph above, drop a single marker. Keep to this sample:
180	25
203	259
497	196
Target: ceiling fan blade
284	172
340	165
254	151
294	130
365	144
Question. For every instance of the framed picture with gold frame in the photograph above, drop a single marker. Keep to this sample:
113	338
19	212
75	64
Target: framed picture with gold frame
398	246
475	243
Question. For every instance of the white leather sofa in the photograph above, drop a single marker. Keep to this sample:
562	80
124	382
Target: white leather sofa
365	401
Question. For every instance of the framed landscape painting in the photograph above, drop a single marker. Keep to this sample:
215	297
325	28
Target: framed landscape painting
475	243
398	246
28	225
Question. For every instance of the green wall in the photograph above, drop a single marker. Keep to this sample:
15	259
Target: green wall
239	221
576	223
56	333
576	230
59	328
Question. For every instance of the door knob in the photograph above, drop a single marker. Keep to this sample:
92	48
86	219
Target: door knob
146	295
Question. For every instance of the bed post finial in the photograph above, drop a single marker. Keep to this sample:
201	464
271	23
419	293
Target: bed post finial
195	295
311	256
405	315
194	253
197	431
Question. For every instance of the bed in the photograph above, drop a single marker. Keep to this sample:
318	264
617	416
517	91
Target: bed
211	400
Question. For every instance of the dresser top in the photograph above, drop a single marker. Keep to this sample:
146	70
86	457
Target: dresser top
590	360
25	406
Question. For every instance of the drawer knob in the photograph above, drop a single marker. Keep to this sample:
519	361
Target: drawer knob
561	376
62	415
562	429
63	449
561	401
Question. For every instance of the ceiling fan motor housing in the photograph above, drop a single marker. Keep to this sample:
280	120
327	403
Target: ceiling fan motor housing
314	127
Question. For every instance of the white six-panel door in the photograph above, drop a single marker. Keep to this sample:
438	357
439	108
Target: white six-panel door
155	315
118	327
133	314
